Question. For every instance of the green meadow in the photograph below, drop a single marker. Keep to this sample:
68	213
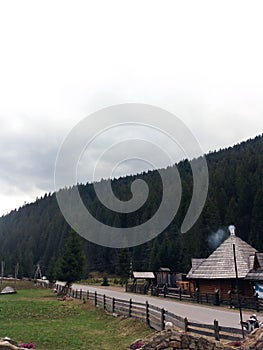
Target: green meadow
35	315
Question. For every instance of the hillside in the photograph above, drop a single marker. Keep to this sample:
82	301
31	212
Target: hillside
36	233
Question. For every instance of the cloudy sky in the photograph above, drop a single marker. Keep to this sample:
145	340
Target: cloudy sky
63	60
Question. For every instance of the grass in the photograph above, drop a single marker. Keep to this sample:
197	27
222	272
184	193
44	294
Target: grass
35	315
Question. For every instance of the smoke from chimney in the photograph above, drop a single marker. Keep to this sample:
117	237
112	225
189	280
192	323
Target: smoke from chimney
216	238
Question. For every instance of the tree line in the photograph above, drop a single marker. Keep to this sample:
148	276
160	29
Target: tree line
37	232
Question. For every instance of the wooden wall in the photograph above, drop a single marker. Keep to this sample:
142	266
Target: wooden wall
223	285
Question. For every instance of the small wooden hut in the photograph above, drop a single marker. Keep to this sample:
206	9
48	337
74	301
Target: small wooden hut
217	272
163	276
141	283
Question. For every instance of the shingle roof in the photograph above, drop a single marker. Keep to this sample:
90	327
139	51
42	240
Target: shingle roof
196	263
256	274
144	275
260	259
220	264
165	269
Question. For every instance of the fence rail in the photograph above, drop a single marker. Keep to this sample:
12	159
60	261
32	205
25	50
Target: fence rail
154	316
253	303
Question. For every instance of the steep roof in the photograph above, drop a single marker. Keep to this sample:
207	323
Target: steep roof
259	257
256	273
220	264
197	262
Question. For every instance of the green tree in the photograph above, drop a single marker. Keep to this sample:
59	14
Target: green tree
51	272
123	264
70	266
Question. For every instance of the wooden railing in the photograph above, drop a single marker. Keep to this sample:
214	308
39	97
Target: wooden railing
154	316
253	303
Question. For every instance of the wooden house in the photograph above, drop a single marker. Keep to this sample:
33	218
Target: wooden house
255	275
217	272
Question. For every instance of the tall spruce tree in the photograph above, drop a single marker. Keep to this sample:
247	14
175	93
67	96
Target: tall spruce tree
70	266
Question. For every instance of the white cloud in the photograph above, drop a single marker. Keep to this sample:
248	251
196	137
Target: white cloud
62	60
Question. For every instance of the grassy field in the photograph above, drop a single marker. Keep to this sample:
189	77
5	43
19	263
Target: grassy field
35	315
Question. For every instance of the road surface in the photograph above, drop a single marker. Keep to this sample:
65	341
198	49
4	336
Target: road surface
194	312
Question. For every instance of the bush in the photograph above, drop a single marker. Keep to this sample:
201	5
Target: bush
105	281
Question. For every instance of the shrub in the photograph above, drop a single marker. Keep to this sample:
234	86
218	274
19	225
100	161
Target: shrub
105	281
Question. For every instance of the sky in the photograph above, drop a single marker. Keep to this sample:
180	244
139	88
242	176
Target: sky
61	61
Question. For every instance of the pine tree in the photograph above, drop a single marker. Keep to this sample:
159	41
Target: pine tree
70	266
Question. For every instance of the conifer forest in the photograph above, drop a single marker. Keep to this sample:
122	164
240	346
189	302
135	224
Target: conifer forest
37	232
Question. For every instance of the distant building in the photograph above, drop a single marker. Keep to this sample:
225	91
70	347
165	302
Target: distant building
141	282
255	275
164	276
217	272
169	278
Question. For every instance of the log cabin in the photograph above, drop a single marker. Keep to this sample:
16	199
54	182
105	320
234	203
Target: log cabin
217	272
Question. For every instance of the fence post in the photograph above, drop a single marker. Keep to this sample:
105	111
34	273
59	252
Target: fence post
147	313
257	303
87	294
197	295
130	307
95	298
104	301
216	298
113	305
162	319
216	329
80	294
180	294
186	324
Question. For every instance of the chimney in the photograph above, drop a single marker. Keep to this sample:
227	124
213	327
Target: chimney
232	229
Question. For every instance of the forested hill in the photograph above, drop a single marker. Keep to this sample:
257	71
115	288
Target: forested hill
36	233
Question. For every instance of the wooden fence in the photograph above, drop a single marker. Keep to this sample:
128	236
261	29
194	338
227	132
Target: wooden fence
154	316
253	303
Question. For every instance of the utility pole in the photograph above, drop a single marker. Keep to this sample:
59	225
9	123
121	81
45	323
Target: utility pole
131	268
238	295
38	272
16	273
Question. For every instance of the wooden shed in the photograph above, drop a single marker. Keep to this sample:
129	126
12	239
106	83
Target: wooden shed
141	283
217	272
163	276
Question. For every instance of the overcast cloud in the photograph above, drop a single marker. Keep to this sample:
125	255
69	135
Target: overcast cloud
62	60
